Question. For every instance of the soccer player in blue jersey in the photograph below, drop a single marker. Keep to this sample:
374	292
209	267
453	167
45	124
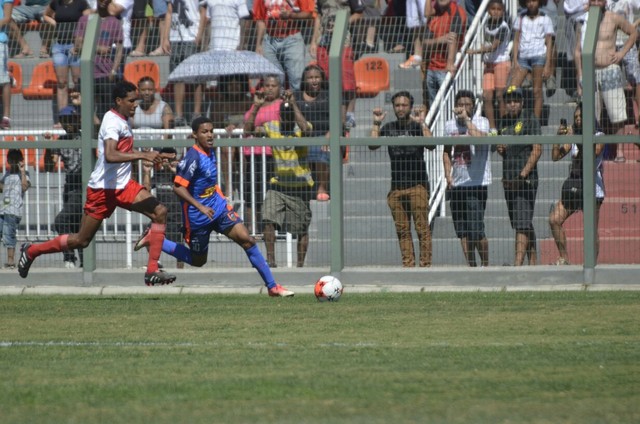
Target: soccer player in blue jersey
205	209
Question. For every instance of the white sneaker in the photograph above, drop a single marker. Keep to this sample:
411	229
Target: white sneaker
413	62
69	264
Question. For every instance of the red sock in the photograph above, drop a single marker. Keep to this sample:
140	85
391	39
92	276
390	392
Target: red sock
58	244
156	237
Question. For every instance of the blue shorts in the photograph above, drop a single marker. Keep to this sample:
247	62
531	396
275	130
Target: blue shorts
529	63
61	56
8	229
198	239
316	154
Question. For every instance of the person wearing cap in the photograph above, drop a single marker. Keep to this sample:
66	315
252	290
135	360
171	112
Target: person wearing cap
68	219
520	173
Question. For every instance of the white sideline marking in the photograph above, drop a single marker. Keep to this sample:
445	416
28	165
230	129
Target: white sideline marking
95	344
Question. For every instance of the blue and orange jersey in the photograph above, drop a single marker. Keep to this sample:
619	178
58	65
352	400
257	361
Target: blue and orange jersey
198	172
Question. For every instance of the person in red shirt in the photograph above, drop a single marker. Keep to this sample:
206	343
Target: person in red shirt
445	35
279	38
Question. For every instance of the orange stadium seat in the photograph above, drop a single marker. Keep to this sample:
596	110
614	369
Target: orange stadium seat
135	70
15	73
43	82
372	76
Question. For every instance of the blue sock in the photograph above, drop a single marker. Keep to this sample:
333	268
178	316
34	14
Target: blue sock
178	251
258	262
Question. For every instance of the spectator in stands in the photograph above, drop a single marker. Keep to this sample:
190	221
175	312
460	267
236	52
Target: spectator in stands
313	100
107	62
630	63
123	10
286	204
497	60
467	169
141	19
265	108
532	50
416	21
610	81
574	12
30	10
68	219
319	48
111	186
160	178
185	20
14	183
365	29
520	174
393	28
64	15
152	111
445	34
231	99
409	194
224	22
279	37
205	210
5	80
571	198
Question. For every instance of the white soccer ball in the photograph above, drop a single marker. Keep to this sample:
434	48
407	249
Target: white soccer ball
328	289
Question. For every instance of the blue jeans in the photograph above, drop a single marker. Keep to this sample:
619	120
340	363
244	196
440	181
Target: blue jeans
434	81
61	56
8	228
288	54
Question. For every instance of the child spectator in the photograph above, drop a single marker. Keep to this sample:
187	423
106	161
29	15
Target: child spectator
29	10
532	50
497	61
13	184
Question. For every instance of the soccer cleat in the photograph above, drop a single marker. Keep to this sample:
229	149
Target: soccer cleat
25	262
158	278
143	240
413	62
279	291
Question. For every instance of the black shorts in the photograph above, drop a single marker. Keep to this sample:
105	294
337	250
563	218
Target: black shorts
521	204
467	211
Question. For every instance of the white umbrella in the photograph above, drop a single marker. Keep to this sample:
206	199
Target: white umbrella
210	65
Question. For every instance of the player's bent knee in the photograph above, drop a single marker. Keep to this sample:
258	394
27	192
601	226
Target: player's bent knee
199	261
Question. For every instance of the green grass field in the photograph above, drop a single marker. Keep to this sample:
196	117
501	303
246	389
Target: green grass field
559	357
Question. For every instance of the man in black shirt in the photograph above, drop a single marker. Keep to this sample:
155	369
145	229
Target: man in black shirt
409	194
520	174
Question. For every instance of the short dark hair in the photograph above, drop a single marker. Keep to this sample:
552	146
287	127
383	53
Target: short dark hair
146	78
403	93
14	156
121	89
465	93
195	124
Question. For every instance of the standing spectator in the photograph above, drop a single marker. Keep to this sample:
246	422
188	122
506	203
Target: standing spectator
106	62
321	42
204	210
313	101
630	63
185	20
286	205
30	10
68	219
13	185
279	37
497	61
142	19
111	186
445	34
265	108
520	174
152	111
416	21
409	194
575	11
610	81
224	19
467	169
64	15
571	198
532	50
5	80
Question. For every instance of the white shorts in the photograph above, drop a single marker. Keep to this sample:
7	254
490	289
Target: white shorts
4	70
415	13
610	91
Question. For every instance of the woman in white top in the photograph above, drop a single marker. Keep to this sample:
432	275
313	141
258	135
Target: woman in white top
532	50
